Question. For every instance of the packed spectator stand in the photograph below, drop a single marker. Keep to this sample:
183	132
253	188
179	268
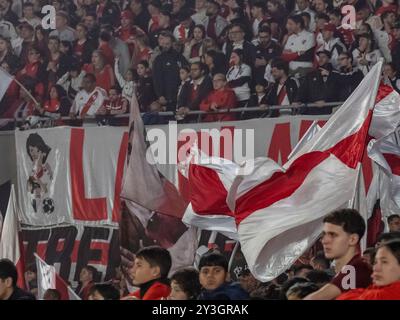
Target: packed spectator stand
195	61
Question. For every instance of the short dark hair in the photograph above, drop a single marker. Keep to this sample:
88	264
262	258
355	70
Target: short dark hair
297	19
188	280
92	270
349	219
157	257
387	236
261	5
264	29
393	216
8	270
280	65
52	293
144	63
203	67
322	16
285	287
91	77
213	259
106	290
394	248
318	276
302	290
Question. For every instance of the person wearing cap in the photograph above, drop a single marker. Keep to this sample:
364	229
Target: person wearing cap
127	32
366	54
332	44
396	46
319	86
63	31
108	12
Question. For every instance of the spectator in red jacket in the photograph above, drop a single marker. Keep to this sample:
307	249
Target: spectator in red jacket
150	271
104	73
385	276
222	97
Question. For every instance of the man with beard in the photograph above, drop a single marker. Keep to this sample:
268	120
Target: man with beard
166	72
213	22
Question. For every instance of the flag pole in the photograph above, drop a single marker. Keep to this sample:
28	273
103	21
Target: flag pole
22	86
235	249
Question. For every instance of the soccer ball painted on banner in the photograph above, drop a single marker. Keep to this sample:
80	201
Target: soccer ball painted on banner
48	206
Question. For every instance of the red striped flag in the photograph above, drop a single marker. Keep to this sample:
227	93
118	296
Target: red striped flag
279	210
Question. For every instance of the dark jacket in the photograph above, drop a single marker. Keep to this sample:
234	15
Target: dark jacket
185	99
271	51
292	88
228	291
142	19
145	91
19	294
111	14
315	87
348	82
253	102
396	56
166	75
88	47
249	53
12	17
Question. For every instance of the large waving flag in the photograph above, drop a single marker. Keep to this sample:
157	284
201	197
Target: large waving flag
10	242
210	179
384	150
143	182
279	210
47	278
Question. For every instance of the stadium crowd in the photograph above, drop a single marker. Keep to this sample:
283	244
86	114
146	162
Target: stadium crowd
185	55
374	274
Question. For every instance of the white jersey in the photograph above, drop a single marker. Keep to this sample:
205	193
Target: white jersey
302	41
89	103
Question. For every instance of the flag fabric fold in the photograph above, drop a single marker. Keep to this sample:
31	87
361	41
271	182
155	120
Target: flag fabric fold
279	210
143	183
47	278
10	242
209	180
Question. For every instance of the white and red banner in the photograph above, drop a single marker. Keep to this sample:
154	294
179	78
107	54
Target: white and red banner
70	175
47	278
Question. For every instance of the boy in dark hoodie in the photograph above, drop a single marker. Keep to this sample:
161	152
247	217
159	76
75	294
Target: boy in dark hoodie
213	275
149	273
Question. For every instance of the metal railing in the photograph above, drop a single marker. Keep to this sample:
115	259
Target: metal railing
167	114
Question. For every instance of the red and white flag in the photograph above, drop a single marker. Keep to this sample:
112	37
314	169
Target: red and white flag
209	180
279	210
5	81
47	278
384	150
10	243
143	182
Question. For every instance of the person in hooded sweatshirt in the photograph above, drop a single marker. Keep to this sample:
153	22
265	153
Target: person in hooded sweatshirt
213	276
